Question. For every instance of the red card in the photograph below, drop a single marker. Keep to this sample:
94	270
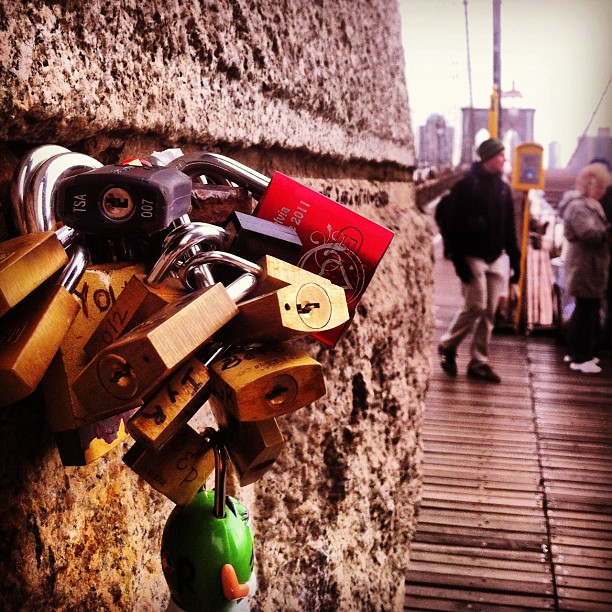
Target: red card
338	243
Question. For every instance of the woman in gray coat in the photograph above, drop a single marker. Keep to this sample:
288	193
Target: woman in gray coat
588	235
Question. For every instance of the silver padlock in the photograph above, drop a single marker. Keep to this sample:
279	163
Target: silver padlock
22	175
39	197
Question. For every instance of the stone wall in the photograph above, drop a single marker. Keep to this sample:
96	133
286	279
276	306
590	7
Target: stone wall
315	90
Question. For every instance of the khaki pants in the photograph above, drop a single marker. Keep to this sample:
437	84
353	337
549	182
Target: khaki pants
481	297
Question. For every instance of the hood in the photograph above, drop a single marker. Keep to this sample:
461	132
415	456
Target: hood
566	198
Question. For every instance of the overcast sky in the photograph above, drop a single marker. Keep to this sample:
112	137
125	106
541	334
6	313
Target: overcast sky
558	54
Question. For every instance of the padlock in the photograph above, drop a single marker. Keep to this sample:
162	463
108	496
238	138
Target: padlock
207	550
80	437
145	295
123	200
214	203
338	243
39	201
27	261
124	373
252	238
280	311
179	469
252	446
262	382
138	302
31	333
180	397
21	176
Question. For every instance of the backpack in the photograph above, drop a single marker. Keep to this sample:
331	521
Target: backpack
442	214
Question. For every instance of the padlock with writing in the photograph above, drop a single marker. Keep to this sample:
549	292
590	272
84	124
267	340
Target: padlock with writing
207	549
124	373
338	243
120	200
261	382
252	446
39	201
80	437
179	469
144	295
27	261
31	333
280	311
185	391
180	397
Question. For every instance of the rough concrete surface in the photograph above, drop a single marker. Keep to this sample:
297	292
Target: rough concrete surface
315	90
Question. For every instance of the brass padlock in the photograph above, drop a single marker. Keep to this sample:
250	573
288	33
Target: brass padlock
181	396
80	437
28	261
138	302
31	333
124	373
179	469
252	446
259	383
295	310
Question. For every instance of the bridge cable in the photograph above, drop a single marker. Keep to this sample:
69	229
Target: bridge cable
469	69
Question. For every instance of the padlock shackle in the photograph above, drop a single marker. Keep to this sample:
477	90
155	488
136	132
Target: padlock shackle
213	437
242	286
218	167
67	235
179	242
75	268
21	176
39	201
216	257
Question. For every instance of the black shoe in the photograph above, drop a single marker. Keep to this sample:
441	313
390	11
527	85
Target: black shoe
448	361
483	371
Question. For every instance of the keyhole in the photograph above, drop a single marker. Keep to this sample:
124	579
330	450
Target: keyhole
117	376
277	395
307	307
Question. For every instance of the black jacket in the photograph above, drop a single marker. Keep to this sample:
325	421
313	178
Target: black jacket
482	219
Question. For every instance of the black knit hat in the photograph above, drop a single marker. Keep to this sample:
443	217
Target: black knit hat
490	148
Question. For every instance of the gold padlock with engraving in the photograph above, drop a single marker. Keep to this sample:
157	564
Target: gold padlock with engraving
252	446
179	469
80	437
123	374
31	333
28	261
180	397
259	383
138	302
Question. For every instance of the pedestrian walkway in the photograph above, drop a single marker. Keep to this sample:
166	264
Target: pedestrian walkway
517	490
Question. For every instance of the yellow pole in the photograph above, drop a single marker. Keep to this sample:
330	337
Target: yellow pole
494	113
522	278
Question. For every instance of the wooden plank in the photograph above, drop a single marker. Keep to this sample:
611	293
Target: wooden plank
523	583
438	598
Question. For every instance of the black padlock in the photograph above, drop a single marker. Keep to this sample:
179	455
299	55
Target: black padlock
123	200
252	238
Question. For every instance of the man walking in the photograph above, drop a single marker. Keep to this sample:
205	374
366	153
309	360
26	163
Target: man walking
481	228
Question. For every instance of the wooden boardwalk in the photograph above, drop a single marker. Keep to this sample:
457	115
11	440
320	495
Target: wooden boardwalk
517	493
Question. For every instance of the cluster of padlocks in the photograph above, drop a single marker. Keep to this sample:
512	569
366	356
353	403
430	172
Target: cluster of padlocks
138	292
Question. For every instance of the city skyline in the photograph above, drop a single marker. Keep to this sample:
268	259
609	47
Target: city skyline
556	53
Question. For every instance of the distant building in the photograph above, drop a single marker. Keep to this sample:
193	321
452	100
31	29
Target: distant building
554	155
436	143
590	147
